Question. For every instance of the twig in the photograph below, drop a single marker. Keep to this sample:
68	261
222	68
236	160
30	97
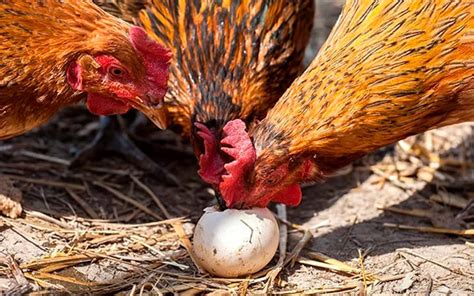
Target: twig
450	199
149	258
334	263
40	282
107	171
434	262
346	235
281	211
128	199
18	275
84	205
47	218
272	274
24	236
467	232
155	198
108	224
107	238
306	261
346	287
110	256
45	157
178	227
362	269
62	260
50	229
46	182
244	289
409	212
430	286
44	275
6	147
307	236
130	216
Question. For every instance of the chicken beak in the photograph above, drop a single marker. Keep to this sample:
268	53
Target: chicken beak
156	112
158	117
220	201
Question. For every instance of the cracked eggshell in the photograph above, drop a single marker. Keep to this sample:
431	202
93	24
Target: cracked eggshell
233	242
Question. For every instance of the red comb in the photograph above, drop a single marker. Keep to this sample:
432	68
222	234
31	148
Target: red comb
156	57
242	150
290	196
147	46
211	165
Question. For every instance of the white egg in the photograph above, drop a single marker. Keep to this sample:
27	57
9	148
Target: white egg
233	243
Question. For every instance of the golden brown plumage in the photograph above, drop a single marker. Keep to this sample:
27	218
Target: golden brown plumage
52	51
232	59
125	9
389	69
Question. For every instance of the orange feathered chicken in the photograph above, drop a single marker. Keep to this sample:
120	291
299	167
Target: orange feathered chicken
53	53
389	69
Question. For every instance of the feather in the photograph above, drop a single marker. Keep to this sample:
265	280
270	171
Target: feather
389	69
232	59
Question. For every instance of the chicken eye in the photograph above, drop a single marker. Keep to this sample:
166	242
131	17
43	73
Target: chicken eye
116	71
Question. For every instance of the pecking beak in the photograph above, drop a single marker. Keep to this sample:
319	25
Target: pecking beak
158	117
153	109
220	201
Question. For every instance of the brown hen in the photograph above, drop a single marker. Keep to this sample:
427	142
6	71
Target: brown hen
389	69
55	51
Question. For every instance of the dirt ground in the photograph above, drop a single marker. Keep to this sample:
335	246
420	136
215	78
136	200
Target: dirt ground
426	182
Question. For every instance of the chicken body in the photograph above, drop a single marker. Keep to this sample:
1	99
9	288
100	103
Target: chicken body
389	69
53	52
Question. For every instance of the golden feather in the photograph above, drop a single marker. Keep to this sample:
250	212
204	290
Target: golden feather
389	69
232	59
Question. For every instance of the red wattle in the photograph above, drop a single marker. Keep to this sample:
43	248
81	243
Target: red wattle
290	196
211	165
237	144
102	105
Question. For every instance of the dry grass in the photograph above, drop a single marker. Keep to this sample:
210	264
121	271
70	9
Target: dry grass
108	228
157	256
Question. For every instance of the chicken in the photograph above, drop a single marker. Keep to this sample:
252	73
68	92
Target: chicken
113	134
55	52
232	59
389	69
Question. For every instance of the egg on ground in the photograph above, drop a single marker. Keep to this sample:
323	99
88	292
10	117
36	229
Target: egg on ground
234	243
